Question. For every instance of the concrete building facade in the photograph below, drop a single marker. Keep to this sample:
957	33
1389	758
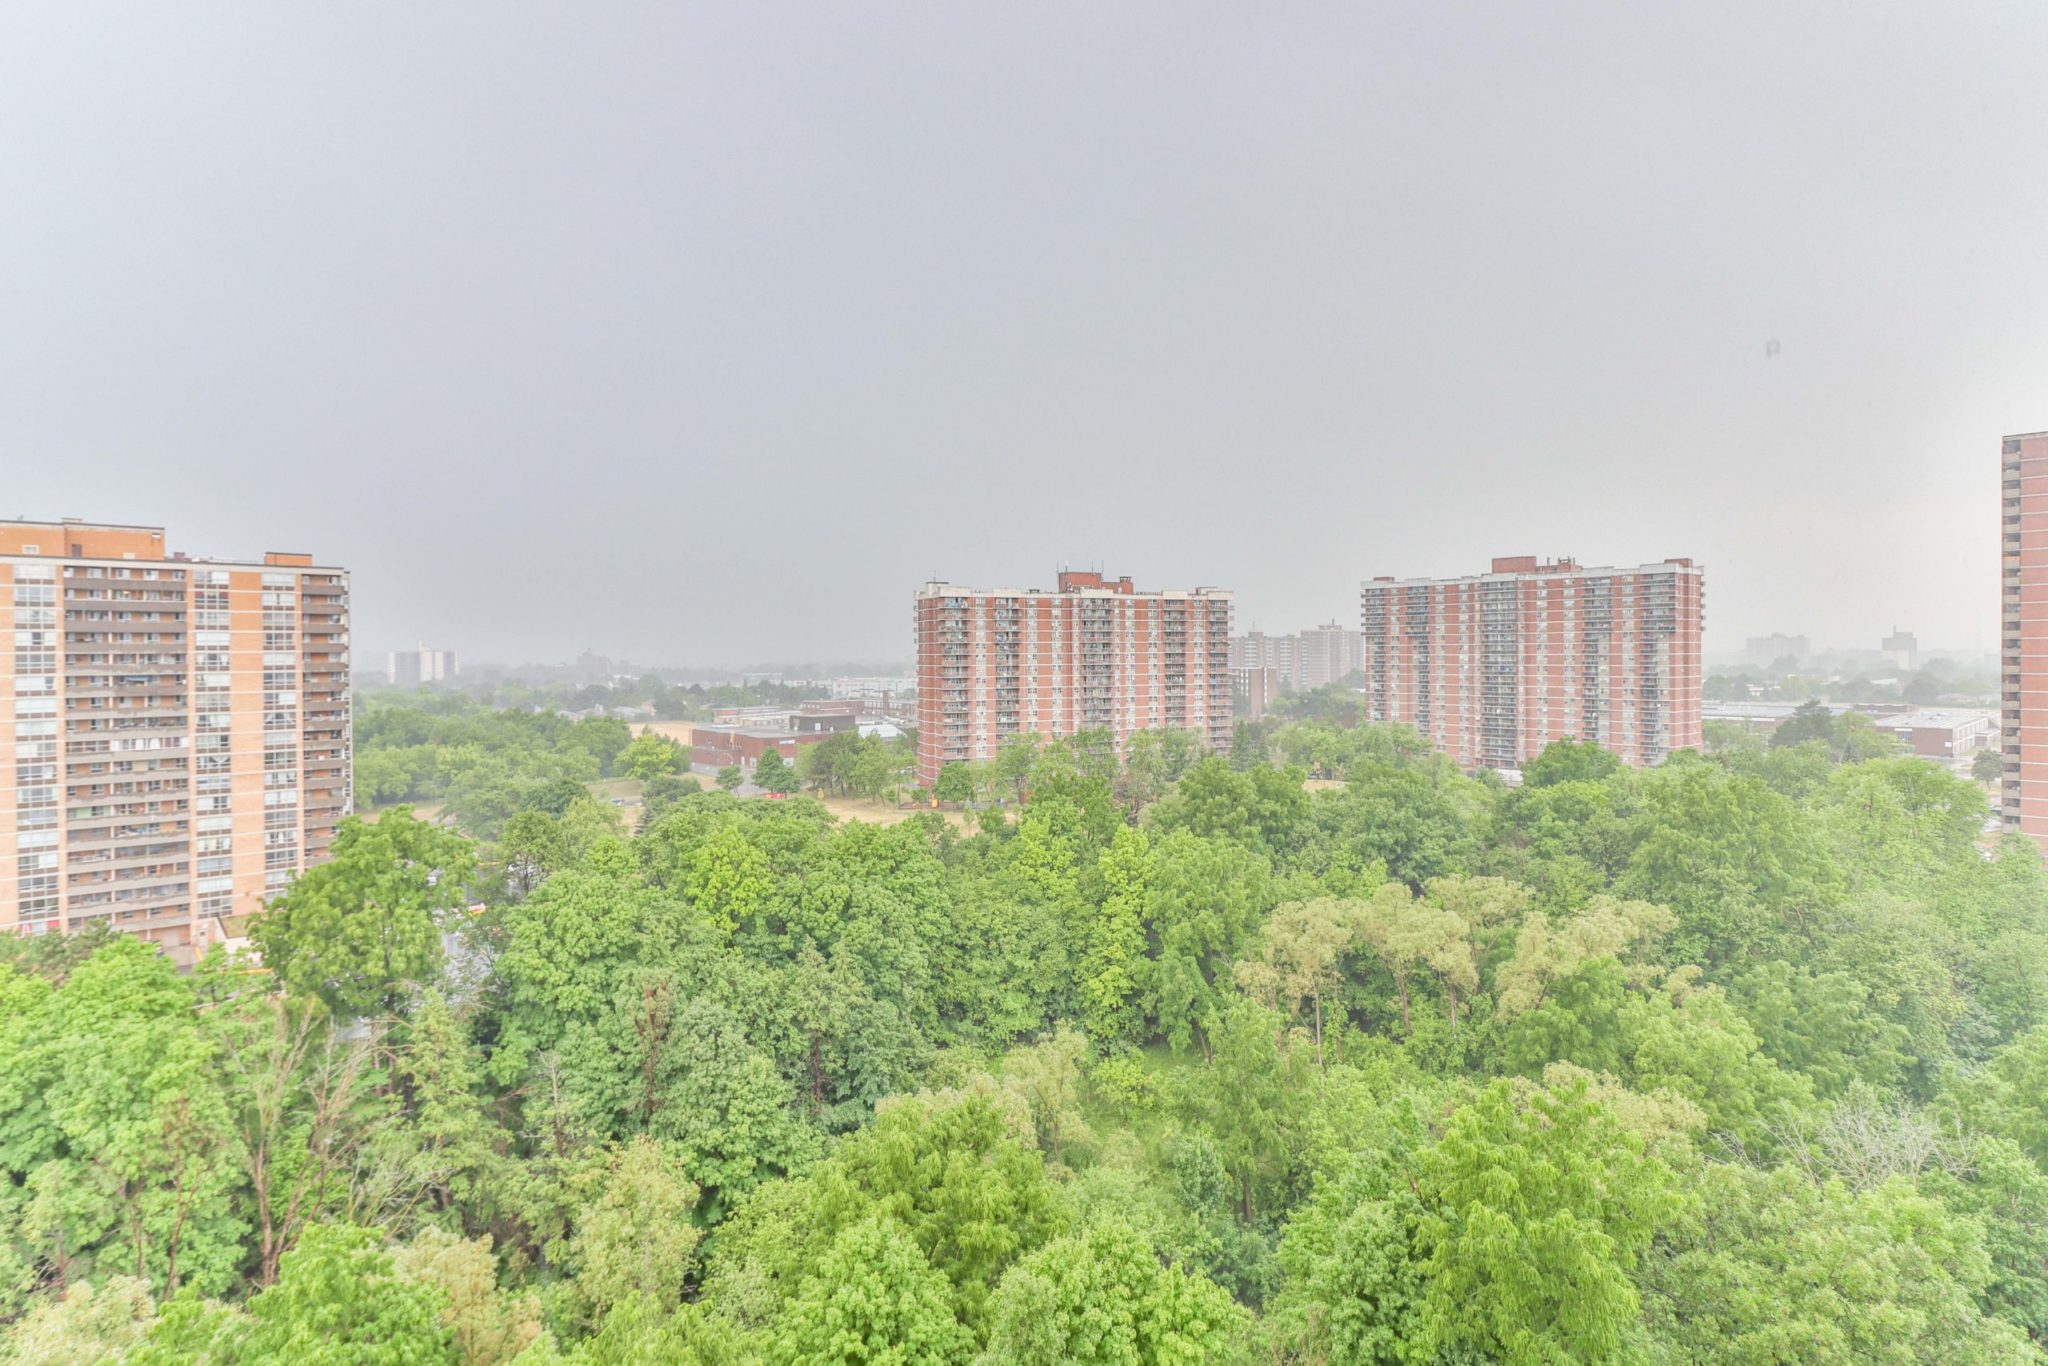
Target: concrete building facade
1493	667
2023	639
407	668
874	688
1764	651
1258	650
1310	659
1254	690
177	731
1094	653
1327	654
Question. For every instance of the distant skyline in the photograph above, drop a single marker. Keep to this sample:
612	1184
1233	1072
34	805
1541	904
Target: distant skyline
708	334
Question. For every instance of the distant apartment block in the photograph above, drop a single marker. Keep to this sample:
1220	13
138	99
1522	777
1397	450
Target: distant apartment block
1327	654
409	668
1311	659
1094	653
886	690
1493	667
1764	651
1258	650
2023	563
1254	690
176	730
1901	649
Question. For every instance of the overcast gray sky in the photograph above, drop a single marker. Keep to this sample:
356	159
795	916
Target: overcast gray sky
705	334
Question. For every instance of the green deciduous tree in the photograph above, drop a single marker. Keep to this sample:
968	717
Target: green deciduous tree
1101	1298
728	879
1534	1217
1046	1077
85	1325
1252	1099
1775	1268
339	1301
1739	864
1204	900
1301	954
874	1299
490	1326
1408	933
569	945
133	1158
363	928
773	774
532	847
683	1071
1988	767
1570	761
1113	960
1354	1288
664	791
650	756
635	1239
971	1199
955	784
1154	760
300	1096
444	1161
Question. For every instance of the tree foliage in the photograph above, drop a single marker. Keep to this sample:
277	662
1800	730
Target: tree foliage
1172	1058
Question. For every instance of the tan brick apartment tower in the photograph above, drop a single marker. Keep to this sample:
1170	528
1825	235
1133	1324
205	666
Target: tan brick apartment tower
1493	667
175	732
2023	638
1093	654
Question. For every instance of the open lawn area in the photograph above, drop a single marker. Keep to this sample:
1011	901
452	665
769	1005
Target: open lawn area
880	813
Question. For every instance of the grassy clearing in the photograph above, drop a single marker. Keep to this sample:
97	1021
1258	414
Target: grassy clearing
625	790
880	813
426	811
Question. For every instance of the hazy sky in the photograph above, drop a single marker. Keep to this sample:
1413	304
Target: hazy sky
707	336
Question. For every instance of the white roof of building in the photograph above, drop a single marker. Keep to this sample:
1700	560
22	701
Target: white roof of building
1939	718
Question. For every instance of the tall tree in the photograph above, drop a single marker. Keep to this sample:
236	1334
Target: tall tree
874	1298
1113	961
955	784
773	774
1534	1217
635	1239
363	928
1204	900
649	756
340	1302
1102	1298
1301	954
136	1169
301	1099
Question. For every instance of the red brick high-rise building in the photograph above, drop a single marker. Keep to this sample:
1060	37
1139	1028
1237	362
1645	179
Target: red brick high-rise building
1093	654
176	731
1493	667
2023	609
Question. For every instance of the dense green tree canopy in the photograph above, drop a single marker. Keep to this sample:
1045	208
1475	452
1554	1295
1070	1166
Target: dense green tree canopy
1346	1058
